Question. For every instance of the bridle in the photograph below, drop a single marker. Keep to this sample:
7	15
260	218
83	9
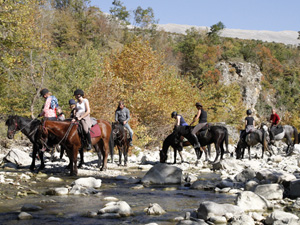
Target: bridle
12	132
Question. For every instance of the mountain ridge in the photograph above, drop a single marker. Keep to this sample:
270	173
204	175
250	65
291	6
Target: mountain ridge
286	37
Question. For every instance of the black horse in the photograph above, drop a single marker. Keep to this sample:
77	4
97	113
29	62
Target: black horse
251	139
121	140
177	145
209	135
30	129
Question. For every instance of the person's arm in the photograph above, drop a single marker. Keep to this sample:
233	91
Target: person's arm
253	123
127	116
177	120
116	116
196	117
46	106
246	123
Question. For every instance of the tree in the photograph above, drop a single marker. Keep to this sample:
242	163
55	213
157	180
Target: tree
144	17
119	12
214	33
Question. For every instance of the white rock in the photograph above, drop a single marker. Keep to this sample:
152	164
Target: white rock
89	182
54	179
154	209
121	208
25	216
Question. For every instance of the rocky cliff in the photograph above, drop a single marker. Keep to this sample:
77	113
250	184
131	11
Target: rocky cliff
247	75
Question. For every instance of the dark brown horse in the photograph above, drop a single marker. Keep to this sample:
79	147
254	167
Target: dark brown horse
30	129
67	134
121	140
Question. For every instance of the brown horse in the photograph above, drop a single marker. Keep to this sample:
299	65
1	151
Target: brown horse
67	134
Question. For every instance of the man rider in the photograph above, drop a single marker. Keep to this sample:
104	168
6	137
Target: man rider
274	118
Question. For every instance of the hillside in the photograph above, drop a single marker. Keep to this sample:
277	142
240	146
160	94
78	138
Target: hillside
285	37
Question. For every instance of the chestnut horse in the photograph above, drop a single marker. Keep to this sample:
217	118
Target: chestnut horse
67	134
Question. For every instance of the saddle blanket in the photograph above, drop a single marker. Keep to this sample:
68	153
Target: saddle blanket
95	131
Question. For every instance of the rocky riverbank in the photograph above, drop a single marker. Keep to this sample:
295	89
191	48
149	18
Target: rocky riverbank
264	191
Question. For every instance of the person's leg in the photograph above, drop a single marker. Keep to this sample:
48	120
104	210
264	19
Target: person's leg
195	139
86	131
130	132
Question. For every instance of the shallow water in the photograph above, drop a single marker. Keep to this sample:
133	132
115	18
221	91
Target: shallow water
72	209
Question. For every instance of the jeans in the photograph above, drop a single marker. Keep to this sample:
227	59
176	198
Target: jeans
130	130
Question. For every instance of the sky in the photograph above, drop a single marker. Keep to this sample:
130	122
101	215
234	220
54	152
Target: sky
272	15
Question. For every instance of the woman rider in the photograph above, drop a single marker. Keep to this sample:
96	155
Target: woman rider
202	116
249	124
179	119
82	114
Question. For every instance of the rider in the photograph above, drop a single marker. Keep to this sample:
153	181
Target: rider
202	116
72	104
274	118
61	115
82	114
48	111
179	119
122	115
249	124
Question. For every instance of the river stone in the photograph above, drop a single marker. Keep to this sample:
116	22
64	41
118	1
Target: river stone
245	175
192	222
284	217
154	209
54	179
296	204
30	208
294	189
270	191
275	176
250	201
121	208
25	177
58	191
18	157
80	190
89	182
25	216
251	185
218	219
163	174
208	209
242	220
111	199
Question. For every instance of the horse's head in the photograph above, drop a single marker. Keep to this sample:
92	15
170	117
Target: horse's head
162	156
238	150
12	126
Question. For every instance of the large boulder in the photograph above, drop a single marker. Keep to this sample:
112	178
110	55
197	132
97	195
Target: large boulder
250	201
210	209
275	176
294	189
245	175
163	174
270	191
281	217
18	157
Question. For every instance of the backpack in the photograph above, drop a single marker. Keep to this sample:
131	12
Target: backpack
54	102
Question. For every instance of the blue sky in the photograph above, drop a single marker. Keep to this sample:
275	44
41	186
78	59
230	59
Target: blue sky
273	15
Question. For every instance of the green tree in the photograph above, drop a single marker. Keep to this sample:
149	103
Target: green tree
120	12
144	17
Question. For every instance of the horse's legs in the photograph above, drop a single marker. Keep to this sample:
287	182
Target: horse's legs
182	160
120	150
126	147
81	157
249	153
175	155
97	148
62	149
34	152
104	149
73	161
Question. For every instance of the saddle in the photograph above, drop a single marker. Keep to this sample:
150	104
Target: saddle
277	129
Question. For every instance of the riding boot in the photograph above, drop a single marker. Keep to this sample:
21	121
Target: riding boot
89	139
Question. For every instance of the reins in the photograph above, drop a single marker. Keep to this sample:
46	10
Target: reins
16	127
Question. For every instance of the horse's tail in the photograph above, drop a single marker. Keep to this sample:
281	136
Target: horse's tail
296	141
111	145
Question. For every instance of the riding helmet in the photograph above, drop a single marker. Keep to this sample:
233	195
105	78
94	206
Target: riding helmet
198	104
72	102
79	92
173	114
249	112
44	91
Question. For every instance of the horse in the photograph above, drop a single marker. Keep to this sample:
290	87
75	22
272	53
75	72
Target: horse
171	141
30	129
286	131
121	140
68	136
251	139
210	134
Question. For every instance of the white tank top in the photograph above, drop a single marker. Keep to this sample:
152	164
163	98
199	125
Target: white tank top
80	107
